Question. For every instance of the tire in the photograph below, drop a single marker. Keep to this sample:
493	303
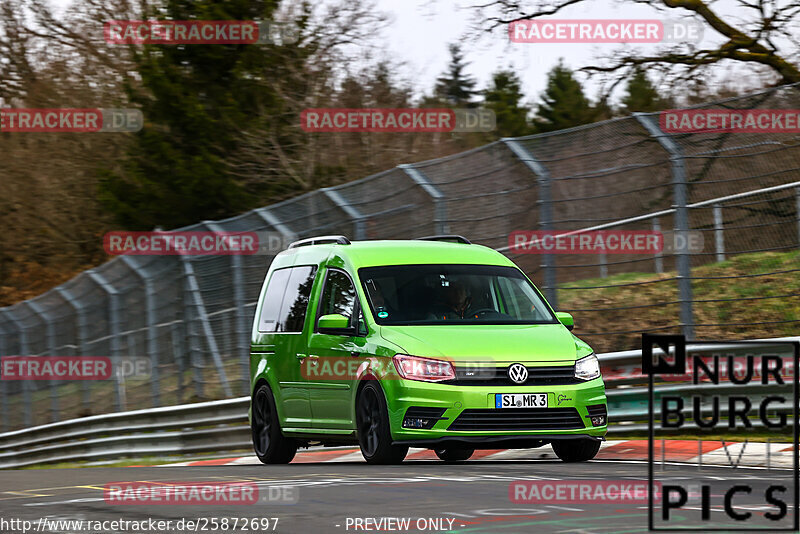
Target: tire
269	443
372	422
576	450
454	455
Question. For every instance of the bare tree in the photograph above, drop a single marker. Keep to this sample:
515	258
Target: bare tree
767	35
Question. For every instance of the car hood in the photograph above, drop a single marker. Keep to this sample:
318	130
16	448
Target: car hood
501	343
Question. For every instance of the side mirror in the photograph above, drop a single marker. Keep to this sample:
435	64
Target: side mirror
566	320
334	323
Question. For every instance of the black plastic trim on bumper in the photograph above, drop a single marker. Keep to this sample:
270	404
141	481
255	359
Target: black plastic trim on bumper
488	442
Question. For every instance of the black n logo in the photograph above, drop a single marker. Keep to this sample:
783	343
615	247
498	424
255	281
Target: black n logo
662	364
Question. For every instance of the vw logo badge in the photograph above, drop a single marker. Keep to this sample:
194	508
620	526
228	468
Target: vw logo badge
518	373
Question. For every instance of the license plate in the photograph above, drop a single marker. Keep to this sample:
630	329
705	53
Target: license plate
520	400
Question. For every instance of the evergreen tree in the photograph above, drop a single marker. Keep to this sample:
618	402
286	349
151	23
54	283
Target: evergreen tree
195	100
564	104
455	87
505	98
641	95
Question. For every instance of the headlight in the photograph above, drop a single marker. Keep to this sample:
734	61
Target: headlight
587	368
426	369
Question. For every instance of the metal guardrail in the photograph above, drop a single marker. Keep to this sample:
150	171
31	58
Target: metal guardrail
219	426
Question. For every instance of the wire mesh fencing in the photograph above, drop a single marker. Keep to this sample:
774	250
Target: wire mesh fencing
190	317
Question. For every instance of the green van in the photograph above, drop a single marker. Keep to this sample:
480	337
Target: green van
434	343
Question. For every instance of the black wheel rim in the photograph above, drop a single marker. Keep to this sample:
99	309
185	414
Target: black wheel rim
262	423
369	417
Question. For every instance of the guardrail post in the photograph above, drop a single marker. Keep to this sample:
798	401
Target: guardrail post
358	219
240	329
23	348
152	332
113	341
80	337
200	312
680	192
439	199
545	214
659	257
50	330
719	238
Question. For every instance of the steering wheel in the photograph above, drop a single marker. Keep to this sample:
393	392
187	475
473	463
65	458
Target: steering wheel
482	311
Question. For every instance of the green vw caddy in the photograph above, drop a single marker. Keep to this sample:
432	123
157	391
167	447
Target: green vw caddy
434	343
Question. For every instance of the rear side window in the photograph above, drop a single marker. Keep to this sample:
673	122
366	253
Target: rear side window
286	299
295	300
270	310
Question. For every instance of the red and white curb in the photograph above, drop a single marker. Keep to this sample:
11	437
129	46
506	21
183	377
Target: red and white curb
684	451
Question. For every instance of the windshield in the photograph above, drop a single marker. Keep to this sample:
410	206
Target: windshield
463	294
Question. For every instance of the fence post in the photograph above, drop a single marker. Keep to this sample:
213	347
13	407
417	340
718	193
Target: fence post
358	219
797	194
659	257
439	199
3	383
80	337
178	352
113	327
545	213
719	239
152	332
23	348
680	192
241	332
276	223
37	309
200	311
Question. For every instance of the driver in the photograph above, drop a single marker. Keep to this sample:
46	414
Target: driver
454	302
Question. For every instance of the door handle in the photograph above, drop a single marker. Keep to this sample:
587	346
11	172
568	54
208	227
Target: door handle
355	353
301	357
312	359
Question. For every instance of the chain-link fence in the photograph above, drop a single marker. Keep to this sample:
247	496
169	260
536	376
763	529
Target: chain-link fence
191	315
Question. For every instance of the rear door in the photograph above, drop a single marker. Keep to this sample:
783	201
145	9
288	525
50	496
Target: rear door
282	318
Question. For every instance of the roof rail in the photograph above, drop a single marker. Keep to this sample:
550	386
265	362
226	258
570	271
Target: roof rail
452	238
321	240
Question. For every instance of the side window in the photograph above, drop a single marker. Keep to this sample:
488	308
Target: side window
518	296
270	309
339	295
295	300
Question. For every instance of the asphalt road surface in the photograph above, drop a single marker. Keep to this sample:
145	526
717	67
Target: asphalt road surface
354	497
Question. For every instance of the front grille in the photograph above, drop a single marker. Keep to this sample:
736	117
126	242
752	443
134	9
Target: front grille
518	419
498	376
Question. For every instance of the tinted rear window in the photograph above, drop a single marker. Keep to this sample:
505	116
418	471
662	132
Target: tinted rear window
286	299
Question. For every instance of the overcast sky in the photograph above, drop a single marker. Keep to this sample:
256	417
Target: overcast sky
421	30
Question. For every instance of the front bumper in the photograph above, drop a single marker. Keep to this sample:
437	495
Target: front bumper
403	394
